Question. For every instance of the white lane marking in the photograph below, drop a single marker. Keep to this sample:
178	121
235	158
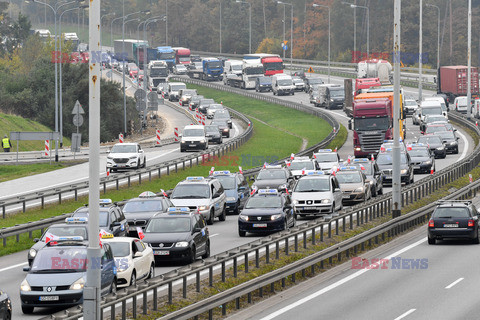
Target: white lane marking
337	284
340	114
465	148
405	314
214	235
15	266
163	154
453	283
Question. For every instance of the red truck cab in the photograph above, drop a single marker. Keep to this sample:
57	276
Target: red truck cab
361	85
272	65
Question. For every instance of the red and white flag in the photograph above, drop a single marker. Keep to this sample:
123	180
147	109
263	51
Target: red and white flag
141	235
240	170
164	193
211	170
292	156
50	237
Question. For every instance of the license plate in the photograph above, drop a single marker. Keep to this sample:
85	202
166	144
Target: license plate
161	252
450	225
49	298
416	167
346	197
192	145
121	165
259	225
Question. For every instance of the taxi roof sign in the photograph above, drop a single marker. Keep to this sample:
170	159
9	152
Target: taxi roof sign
178	209
105	201
302	158
220	172
348	168
107	236
324	150
314	172
195	178
76	220
272	166
147	194
268	191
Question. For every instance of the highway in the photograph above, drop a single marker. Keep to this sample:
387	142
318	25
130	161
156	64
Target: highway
222	237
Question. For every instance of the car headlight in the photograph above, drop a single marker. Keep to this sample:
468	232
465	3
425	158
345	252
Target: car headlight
225	130
331	100
371	182
359	189
123	266
201	208
428	162
32	253
24	286
78	285
243	217
403	171
453	143
295	202
181	244
326	201
202	141
275	216
230	199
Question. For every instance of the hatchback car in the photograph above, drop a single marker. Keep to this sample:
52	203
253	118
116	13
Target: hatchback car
430	119
178	235
236	189
266	211
354	185
450	140
373	173
194	101
454	220
126	156
222	125
422	157
327	159
58	274
317	194
179	69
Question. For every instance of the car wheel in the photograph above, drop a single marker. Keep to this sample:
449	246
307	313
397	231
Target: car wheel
242	233
133	279
431	240
207	250
144	162
152	271
210	218
182	150
223	216
8	316
193	255
380	191
476	240
374	192
27	309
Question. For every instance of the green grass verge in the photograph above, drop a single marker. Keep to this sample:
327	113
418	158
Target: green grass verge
10	172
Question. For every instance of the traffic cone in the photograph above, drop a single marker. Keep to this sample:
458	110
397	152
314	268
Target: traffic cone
431	171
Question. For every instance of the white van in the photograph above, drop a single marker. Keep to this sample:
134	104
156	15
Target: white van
460	104
428	107
435	101
282	84
439	99
231	68
193	138
173	89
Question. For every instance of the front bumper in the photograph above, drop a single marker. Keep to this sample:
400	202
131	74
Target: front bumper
172	253
419	168
261	226
231	207
317	209
122	164
192	145
63	298
442	153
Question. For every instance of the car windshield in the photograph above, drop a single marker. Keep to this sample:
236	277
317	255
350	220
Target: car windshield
193	132
372	124
449	212
228	182
103	217
315	81
299	165
430	140
387	158
214	64
410	103
256	70
71	231
285	82
312	185
432	129
237	67
188	92
211	129
265	80
435	118
168	225
349	177
181	67
60	259
124	148
337	93
326	157
273	65
431	110
142	206
120	249
263	202
271	174
191	191
419	153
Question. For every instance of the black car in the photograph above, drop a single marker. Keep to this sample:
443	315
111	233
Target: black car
266	211
5	306
177	235
263	84
385	164
222	125
422	157
373	173
454	219
73	227
213	133
111	216
138	211
224	115
274	177
236	189
435	144
450	140
204	104
194	101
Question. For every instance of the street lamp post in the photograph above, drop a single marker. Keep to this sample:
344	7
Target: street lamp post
420	45
323	6
220	30
249	23
111	41
368	23
438	32
291	31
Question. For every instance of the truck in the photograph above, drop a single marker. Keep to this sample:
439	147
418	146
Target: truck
246	80
73	39
452	81
166	54
129	52
272	63
361	85
182	55
375	68
373	120
157	72
231	68
211	69
151	56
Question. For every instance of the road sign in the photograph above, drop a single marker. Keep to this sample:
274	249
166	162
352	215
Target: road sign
152	96
152	106
285	42
140	94
141	105
285	47
77	108
310	70
77	120
76	142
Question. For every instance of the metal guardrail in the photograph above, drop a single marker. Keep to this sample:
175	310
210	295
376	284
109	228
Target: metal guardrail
313	231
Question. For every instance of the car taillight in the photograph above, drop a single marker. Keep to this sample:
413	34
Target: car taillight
431	224
471	223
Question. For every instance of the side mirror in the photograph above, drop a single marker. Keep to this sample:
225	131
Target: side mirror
137	254
350	124
26	269
36	240
116	224
197	229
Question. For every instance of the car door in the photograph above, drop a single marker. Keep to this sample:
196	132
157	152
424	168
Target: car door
288	209
243	190
219	200
142	264
198	233
108	267
337	193
378	176
114	224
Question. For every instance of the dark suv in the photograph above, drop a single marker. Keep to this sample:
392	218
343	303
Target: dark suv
454	219
112	219
236	188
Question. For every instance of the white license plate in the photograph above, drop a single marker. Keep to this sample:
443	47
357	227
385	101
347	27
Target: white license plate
49	298
121	165
450	225
259	225
346	197
161	252
192	145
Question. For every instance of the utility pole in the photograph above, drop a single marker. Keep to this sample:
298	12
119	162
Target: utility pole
396	179
420	44
469	57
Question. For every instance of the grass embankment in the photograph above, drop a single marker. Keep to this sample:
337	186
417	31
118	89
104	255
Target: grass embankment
267	144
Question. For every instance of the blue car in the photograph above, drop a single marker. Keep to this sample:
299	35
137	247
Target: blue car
236	189
58	274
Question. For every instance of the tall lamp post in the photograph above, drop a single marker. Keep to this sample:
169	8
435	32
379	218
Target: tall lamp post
220	30
368	23
420	45
56	68
111	41
438	32
291	31
323	6
249	23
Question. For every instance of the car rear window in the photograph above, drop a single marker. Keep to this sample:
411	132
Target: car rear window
447	212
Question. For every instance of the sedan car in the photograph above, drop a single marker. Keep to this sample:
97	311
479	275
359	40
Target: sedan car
354	185
225	115
266	211
416	116
385	164
212	109
436	127
222	126
429	119
454	220
435	144
5	306
299	165
450	140
126	156
111	217
213	133
236	189
194	102
273	177
410	106
373	173
178	235
133	259
422	157
179	69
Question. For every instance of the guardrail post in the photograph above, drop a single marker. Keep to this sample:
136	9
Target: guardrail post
170	292
277	250
235	268
223	271
184	278
321	232
246	262
257	258
197	278
210	276
286	246
267	254
128	179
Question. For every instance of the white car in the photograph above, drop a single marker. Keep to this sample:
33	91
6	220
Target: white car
180	69
133	258
328	160
460	104
126	156
212	109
